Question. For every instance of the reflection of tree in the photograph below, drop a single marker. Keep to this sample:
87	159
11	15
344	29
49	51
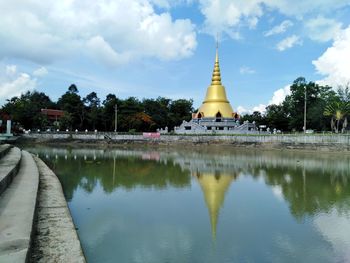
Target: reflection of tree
310	192
128	173
309	183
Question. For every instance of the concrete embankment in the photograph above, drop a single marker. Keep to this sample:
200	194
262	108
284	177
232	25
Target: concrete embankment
30	191
55	238
323	142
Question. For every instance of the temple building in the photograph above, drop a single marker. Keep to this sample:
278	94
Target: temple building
215	115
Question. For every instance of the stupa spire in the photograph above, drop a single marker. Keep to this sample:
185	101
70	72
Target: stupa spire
216	78
215	102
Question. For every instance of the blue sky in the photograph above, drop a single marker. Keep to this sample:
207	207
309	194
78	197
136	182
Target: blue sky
151	48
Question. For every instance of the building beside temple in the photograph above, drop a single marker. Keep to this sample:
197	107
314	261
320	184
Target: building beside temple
215	115
53	116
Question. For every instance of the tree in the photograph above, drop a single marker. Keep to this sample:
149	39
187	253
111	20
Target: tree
66	121
179	110
140	122
343	93
26	109
126	109
158	109
276	117
316	98
72	103
255	116
108	112
92	103
73	89
338	108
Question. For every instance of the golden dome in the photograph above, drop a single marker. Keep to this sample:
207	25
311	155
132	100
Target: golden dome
215	102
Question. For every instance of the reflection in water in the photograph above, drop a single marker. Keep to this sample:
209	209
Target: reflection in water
214	188
288	203
310	183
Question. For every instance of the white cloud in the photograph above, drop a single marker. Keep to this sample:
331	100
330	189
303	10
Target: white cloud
277	98
242	110
99	49
281	28
261	108
334	63
288	42
227	16
279	95
11	70
252	22
246	70
322	29
44	31
167	4
300	8
13	83
40	72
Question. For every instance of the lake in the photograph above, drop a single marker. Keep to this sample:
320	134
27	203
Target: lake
206	204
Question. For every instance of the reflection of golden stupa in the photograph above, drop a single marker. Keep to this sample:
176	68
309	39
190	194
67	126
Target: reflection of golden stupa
215	103
214	188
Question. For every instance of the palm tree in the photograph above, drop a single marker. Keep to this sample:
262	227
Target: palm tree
338	110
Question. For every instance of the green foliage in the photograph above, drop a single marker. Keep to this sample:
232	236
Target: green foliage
276	117
88	112
338	108
255	116
93	110
324	106
316	98
71	102
289	115
66	122
26	109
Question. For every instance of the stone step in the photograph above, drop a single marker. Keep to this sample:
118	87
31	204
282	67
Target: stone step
55	238
4	148
9	165
17	210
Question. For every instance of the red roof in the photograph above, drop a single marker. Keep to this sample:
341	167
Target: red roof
4	116
52	114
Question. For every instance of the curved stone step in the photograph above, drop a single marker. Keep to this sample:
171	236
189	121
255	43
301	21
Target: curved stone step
4	148
55	238
17	209
9	165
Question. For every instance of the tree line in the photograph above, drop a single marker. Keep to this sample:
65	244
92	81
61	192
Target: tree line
92	114
326	109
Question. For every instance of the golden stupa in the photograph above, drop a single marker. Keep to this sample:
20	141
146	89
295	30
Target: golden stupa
215	103
214	188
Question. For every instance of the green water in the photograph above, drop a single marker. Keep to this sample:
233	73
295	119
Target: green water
139	205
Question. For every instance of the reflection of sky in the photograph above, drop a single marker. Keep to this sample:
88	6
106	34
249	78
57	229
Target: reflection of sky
173	226
335	228
255	222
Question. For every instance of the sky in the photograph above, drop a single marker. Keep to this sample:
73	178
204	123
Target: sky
151	48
